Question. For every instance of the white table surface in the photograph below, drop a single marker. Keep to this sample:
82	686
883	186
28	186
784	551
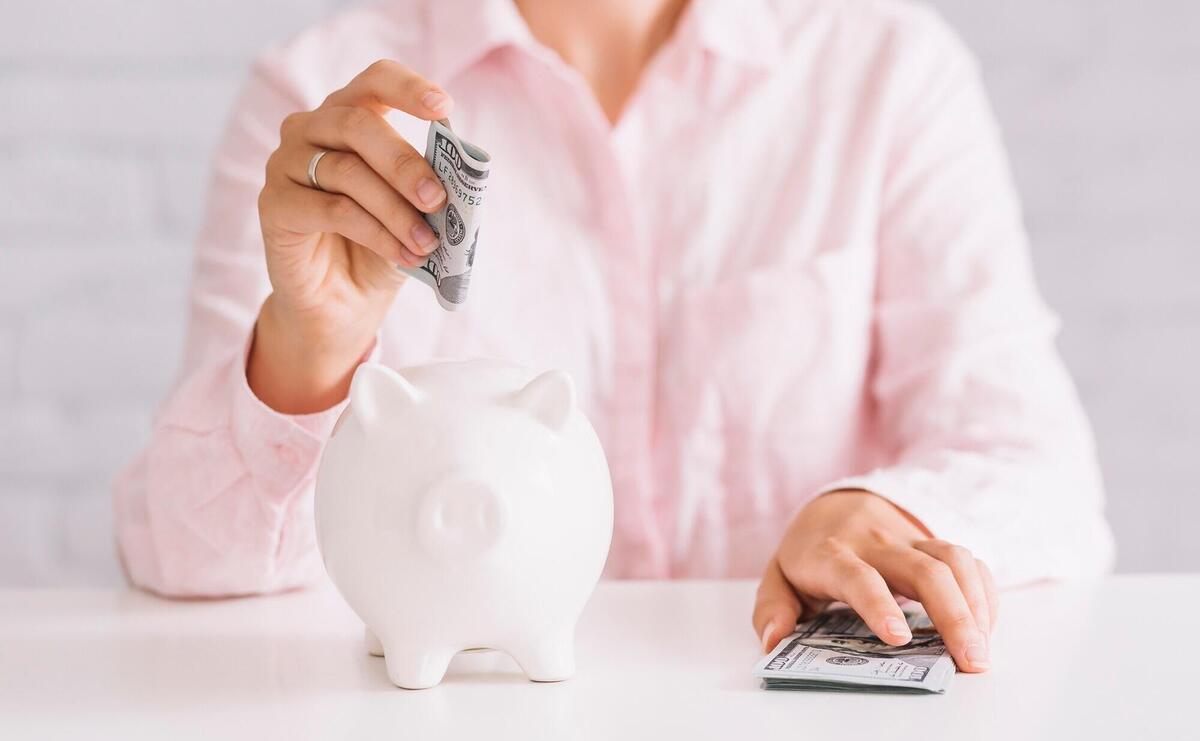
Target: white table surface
1118	659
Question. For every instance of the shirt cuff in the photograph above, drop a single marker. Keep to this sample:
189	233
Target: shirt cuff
920	493
280	451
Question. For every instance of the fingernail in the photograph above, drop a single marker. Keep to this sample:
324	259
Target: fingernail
978	656
436	100
424	237
430	193
898	628
767	634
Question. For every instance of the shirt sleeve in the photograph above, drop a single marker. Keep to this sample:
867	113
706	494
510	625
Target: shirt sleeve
220	500
986	441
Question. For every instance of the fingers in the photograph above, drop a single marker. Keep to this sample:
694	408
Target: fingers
966	573
860	586
388	84
297	209
346	173
931	581
359	130
386	182
776	607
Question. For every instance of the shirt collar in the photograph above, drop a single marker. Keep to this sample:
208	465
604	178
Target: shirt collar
745	32
462	32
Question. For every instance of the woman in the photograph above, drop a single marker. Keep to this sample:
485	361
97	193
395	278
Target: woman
776	245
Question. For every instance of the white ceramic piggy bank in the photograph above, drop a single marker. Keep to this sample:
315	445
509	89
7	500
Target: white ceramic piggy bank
464	505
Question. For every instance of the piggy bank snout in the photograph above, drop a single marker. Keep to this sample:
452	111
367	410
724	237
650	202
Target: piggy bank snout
461	518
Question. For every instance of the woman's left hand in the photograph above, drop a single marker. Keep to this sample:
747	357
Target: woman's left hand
858	548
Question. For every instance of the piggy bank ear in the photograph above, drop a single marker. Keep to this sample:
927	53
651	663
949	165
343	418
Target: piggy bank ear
378	391
549	398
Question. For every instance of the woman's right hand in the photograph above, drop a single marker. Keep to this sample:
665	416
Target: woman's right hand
332	253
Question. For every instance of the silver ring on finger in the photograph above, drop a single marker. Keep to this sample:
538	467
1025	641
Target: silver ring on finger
312	168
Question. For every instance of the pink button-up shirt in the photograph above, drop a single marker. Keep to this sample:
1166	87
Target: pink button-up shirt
795	264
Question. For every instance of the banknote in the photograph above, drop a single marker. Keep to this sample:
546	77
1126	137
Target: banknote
463	169
837	651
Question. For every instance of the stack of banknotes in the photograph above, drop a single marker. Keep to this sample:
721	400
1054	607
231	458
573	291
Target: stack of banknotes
463	169
837	651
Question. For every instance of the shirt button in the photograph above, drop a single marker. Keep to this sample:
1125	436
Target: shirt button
286	455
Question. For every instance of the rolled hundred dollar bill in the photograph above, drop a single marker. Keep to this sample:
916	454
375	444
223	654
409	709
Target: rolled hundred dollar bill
463	169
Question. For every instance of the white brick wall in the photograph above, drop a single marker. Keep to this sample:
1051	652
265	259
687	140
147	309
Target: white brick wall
109	110
108	113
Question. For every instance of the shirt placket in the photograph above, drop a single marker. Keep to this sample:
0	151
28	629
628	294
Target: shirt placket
638	550
633	285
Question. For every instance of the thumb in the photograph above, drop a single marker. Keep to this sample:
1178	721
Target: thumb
776	607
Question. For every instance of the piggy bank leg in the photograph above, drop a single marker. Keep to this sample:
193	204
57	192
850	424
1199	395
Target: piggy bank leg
415	669
548	658
371	641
